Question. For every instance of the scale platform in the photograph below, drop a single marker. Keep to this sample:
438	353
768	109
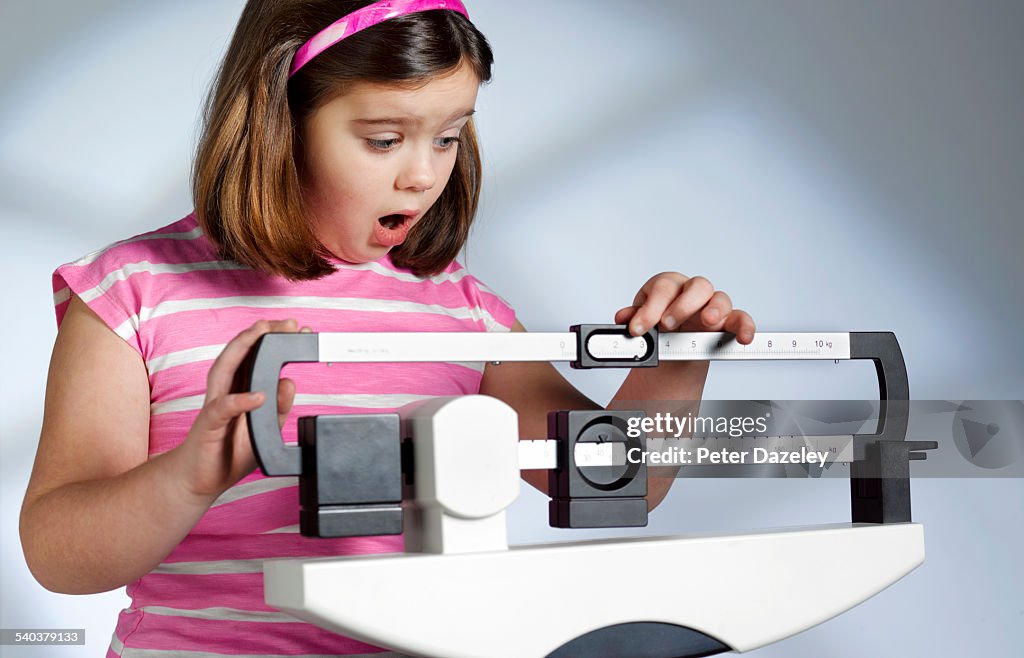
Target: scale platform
735	592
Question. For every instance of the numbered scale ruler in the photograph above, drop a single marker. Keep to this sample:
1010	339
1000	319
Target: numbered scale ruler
679	346
412	347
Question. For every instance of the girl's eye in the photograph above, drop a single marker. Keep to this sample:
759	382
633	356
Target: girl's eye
382	144
447	142
443	143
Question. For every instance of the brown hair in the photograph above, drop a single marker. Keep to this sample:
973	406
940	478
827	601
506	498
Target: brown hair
245	178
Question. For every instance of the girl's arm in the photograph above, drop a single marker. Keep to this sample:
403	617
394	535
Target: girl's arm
98	513
673	301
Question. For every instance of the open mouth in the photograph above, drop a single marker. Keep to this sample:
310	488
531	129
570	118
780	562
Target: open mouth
391	230
392	222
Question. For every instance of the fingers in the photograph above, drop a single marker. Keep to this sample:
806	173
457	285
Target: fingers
221	375
285	400
670	299
741	325
697	293
654	297
717	310
676	302
623	315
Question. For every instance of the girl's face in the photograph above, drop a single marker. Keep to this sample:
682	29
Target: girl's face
378	157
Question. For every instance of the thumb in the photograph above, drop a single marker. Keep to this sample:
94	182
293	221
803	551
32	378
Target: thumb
285	400
219	412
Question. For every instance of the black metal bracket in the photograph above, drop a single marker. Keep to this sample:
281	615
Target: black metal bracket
260	371
880	472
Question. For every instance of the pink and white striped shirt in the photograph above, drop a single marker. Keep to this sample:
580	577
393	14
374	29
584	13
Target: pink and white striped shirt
170	297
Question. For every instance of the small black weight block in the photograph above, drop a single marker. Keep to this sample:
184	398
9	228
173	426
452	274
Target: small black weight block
350	460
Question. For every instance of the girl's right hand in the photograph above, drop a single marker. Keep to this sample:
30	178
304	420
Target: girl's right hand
217	452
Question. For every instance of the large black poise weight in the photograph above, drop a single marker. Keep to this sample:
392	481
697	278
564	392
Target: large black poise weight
605	496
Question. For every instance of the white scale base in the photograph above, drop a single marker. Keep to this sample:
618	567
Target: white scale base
745	590
464	593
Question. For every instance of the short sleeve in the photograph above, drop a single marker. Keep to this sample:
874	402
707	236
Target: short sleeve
101	280
497	313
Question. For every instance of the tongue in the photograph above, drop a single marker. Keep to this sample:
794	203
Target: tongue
394	236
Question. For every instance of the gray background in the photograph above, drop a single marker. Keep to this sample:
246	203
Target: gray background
833	166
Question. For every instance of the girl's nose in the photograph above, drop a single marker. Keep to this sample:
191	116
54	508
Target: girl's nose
418	174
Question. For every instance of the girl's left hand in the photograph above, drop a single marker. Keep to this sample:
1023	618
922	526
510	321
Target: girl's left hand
677	302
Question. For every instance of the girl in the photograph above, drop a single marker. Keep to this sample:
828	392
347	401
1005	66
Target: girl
335	182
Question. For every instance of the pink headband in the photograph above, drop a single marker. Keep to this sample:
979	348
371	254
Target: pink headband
363	18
